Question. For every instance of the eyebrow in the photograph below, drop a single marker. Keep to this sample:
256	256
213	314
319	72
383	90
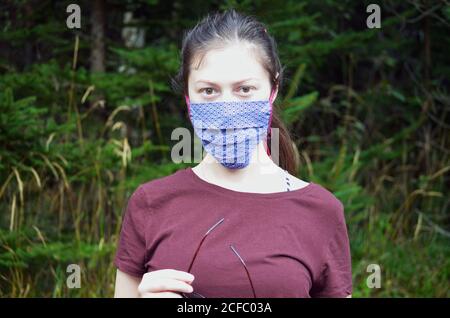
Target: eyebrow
239	82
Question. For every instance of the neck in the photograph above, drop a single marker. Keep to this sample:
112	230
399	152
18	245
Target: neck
260	164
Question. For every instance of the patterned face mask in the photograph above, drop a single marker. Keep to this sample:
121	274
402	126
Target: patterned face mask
230	131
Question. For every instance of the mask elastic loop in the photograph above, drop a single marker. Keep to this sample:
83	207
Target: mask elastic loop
270	120
188	104
271	95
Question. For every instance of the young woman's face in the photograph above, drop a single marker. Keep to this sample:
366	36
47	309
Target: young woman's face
229	74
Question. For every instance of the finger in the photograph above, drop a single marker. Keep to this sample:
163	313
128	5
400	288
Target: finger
161	295
174	274
159	284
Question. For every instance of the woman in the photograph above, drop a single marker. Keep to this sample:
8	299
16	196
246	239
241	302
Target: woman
237	224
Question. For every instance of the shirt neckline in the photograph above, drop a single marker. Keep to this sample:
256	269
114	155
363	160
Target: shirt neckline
255	195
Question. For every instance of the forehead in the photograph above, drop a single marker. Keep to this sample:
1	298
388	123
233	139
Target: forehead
232	63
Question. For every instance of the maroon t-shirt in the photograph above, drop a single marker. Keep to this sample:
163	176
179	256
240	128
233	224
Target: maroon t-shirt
294	243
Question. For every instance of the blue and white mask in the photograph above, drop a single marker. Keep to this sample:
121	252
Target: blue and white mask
230	131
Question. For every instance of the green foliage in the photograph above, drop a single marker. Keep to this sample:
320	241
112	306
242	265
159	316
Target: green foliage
297	106
367	111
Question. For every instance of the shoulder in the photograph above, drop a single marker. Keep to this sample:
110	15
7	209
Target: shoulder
327	197
164	182
326	206
163	188
334	212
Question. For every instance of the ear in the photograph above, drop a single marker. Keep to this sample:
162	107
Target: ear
275	94
276	88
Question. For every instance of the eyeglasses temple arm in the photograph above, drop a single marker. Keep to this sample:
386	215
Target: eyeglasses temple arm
246	270
201	242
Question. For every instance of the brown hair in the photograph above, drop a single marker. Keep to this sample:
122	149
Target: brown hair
230	25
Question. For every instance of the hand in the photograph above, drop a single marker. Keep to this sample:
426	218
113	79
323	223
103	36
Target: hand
165	283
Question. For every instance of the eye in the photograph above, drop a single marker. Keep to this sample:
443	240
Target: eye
208	90
246	89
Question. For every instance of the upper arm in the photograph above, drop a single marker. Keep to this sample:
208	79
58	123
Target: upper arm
336	277
126	285
131	247
130	255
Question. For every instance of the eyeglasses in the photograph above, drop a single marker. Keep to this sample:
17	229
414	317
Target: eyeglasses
198	295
